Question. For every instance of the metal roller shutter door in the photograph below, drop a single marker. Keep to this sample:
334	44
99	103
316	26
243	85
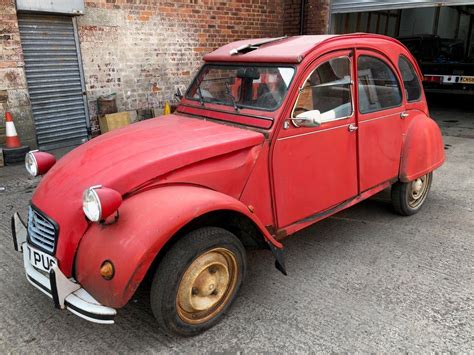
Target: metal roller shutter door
344	6
54	78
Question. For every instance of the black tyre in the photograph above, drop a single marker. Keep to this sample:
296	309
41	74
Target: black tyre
409	197
15	155
197	281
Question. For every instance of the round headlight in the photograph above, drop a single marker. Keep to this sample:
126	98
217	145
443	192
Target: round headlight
39	163
100	202
30	164
91	204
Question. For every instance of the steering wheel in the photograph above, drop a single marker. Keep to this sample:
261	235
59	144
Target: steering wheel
266	100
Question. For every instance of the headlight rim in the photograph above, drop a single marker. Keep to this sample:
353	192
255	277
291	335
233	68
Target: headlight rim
97	201
35	161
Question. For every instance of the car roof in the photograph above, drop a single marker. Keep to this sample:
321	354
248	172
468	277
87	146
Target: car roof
284	49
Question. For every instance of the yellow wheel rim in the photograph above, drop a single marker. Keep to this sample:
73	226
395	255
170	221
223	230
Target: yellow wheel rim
418	191
207	285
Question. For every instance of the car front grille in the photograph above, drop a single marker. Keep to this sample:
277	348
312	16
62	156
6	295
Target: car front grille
41	231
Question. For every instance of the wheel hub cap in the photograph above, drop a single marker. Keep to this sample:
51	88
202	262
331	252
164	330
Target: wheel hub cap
417	186
418	191
207	285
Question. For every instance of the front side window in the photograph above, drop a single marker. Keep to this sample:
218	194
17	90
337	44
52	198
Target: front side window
410	79
327	90
378	85
245	86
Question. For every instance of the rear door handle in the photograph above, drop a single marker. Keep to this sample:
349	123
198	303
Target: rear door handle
352	127
403	115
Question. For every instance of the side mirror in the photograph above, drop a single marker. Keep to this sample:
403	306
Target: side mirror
179	95
308	119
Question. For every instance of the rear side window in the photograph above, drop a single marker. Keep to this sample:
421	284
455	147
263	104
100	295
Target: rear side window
410	79
378	85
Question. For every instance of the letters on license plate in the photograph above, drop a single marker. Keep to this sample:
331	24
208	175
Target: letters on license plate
467	79
39	259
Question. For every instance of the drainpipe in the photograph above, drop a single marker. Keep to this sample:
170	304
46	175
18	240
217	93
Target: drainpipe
303	3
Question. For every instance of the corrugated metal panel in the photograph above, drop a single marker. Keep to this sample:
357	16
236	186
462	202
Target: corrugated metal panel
54	77
73	7
343	6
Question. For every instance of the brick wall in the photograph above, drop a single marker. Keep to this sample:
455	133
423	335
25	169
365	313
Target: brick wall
316	17
13	89
143	52
291	26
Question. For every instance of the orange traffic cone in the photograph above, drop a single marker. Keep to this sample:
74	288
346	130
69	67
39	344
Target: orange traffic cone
13	141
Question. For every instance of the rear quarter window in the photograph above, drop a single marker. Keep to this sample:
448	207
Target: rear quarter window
410	79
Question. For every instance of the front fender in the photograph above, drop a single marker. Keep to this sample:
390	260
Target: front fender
147	221
423	149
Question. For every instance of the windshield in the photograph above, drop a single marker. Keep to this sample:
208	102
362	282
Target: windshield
245	86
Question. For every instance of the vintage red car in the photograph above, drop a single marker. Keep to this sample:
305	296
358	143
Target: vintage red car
272	136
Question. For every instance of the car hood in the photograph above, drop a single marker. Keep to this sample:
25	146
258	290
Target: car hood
127	158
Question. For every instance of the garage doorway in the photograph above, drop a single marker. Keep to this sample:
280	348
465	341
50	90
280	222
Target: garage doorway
55	80
440	37
448	22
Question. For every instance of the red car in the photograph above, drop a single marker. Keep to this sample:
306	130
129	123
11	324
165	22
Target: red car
272	136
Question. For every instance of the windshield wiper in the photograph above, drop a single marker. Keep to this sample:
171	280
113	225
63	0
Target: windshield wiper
201	98
229	93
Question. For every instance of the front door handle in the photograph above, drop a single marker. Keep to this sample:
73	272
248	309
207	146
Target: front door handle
352	127
403	115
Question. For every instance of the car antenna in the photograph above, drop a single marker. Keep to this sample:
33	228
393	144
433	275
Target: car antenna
253	46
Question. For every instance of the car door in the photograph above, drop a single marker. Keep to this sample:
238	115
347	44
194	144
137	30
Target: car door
380	112
315	168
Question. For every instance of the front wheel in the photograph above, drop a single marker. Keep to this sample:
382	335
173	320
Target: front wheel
197	281
409	197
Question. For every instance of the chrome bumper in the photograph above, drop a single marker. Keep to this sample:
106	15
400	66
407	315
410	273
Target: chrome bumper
66	293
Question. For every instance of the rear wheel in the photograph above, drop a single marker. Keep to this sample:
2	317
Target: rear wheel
197	281
409	197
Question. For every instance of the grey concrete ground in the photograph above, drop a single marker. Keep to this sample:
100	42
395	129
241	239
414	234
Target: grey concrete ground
364	280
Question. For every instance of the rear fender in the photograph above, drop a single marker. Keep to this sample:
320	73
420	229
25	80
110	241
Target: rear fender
147	222
423	149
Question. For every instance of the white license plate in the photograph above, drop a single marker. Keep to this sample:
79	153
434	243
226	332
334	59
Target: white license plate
39	259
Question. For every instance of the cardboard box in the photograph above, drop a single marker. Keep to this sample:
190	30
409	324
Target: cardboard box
113	121
132	115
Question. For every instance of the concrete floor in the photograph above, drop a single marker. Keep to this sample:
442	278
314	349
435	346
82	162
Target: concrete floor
364	280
